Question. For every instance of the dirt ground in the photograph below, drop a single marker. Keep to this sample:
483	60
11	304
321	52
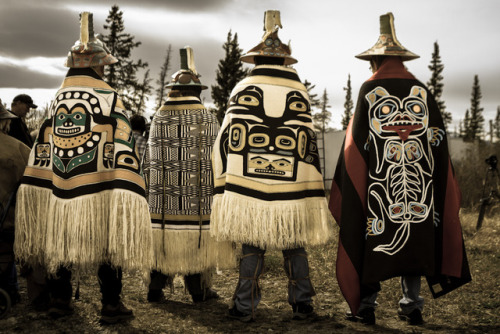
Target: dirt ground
474	308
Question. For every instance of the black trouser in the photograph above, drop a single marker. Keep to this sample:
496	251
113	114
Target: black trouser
193	282
110	282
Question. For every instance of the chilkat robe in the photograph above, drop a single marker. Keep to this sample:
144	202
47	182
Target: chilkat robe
81	201
269	188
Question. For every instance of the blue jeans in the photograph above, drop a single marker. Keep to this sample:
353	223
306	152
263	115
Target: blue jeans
410	286
247	295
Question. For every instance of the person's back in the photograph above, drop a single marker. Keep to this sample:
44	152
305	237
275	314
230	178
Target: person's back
268	185
394	194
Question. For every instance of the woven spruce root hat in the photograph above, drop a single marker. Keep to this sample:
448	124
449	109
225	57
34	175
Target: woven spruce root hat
270	45
186	77
387	44
89	50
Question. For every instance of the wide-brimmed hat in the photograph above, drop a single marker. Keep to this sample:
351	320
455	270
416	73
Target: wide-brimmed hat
186	77
89	50
387	44
270	45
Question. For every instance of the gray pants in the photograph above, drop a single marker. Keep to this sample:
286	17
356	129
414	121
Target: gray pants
410	286
247	295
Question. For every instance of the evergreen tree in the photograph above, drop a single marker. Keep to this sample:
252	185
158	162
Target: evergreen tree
141	94
465	133
313	98
496	125
435	84
123	75
476	122
163	79
323	117
348	104
229	72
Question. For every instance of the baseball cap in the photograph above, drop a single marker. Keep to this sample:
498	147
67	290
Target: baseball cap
25	99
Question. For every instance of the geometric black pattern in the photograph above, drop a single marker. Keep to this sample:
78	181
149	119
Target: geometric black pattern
177	164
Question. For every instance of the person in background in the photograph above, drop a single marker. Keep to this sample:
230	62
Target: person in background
81	203
13	159
269	191
395	195
138	124
21	106
179	179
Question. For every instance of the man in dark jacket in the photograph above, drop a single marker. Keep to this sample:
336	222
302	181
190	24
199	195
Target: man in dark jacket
21	106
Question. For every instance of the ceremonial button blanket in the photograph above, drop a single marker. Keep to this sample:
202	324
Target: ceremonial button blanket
394	193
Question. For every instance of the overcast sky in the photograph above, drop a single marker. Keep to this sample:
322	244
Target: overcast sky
325	36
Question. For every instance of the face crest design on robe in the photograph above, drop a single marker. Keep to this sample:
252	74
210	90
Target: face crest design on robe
271	147
402	186
77	129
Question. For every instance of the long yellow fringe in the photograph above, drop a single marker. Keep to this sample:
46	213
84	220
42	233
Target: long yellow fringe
110	226
271	225
177	252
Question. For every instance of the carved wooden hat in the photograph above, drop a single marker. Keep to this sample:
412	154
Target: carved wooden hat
187	76
387	44
89	50
270	45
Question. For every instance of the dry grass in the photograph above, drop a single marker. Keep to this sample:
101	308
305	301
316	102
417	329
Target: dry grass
474	308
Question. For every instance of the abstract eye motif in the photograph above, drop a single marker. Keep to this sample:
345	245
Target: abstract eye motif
258	140
248	100
298	106
285	142
385	110
416	108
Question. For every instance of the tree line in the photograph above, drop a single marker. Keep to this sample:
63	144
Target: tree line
135	91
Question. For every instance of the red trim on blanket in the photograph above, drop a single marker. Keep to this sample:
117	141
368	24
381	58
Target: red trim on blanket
355	166
335	203
452	231
348	279
392	68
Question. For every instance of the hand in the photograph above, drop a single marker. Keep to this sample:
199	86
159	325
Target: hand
108	156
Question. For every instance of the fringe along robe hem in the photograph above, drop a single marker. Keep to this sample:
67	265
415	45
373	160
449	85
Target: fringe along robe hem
269	189
81	201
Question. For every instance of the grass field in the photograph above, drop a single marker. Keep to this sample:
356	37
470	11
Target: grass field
473	308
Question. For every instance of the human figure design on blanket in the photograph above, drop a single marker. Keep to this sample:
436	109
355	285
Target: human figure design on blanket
402	178
79	130
271	146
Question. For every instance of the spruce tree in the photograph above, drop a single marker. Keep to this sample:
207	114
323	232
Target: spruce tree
313	98
163	79
348	104
229	72
123	75
465	129
435	84
323	117
496	124
476	122
141	94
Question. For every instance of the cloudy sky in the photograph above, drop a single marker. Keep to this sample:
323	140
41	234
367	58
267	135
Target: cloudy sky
325	35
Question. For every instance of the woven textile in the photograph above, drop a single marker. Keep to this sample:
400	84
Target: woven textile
268	185
81	201
179	180
394	193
